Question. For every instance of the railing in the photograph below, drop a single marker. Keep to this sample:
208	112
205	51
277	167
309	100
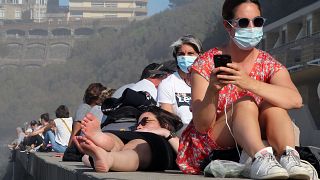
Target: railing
298	67
295	42
305	53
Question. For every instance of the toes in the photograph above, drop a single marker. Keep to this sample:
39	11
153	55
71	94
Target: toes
76	141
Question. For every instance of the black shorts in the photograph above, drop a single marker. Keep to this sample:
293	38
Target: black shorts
163	155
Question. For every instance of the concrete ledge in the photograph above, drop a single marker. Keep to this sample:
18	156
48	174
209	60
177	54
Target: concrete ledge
36	166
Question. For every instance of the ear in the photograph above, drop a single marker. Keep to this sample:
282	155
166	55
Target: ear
227	25
166	126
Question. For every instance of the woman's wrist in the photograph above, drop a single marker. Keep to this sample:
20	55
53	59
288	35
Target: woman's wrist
170	136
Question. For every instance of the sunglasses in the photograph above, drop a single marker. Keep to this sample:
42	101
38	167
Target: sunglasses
244	22
144	121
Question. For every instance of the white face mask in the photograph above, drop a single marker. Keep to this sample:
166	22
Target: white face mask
247	38
184	62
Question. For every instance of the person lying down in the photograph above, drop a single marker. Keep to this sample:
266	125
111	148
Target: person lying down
151	147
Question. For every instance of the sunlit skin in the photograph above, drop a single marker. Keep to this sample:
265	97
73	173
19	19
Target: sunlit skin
248	118
110	153
151	121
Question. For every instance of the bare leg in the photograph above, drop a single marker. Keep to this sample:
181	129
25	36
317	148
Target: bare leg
90	127
245	127
136	154
278	127
143	151
101	158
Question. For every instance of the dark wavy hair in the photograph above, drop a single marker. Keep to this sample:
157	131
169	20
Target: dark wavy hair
230	5
166	119
92	94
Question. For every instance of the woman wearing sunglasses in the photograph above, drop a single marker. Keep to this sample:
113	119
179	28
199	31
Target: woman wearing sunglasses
152	147
248	101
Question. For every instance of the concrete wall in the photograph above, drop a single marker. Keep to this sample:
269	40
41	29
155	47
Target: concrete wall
39	166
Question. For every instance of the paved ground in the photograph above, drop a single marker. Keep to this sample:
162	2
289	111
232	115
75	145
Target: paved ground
48	166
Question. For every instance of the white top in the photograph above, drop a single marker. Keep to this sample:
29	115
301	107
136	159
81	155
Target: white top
146	85
318	90
62	135
119	91
174	90
96	111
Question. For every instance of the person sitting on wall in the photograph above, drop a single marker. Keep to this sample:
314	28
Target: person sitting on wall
62	125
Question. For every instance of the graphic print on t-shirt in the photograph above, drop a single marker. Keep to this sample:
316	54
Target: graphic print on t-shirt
183	99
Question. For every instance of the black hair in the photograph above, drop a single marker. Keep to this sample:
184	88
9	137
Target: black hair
166	119
45	117
33	123
152	70
62	112
230	5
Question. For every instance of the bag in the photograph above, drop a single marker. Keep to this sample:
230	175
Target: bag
122	119
122	113
72	154
136	99
224	169
230	155
310	154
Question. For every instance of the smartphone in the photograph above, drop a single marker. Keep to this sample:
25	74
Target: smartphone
221	60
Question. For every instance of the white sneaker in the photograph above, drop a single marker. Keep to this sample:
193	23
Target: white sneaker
290	160
265	166
311	170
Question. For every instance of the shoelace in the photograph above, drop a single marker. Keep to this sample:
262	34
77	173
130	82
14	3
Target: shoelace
271	161
296	159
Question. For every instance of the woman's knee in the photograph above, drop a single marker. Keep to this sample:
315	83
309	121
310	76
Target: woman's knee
246	104
269	111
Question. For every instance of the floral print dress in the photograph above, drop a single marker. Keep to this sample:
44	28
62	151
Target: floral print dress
195	146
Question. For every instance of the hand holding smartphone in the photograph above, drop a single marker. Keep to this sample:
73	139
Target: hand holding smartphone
222	60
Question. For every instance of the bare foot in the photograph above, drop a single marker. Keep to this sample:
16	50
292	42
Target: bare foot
77	140
85	160
101	158
90	126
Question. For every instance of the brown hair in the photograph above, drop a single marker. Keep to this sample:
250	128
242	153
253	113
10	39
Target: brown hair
92	94
62	111
230	5
166	119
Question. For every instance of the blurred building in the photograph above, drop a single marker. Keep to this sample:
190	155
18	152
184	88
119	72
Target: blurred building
92	9
23	10
50	10
295	41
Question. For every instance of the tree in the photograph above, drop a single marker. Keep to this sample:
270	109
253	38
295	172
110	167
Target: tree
175	3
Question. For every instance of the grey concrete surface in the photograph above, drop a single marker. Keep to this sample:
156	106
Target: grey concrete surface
49	167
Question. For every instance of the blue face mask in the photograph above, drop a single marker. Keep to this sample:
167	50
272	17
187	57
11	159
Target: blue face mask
184	62
247	38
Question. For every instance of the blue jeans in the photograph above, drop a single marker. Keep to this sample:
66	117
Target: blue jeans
49	136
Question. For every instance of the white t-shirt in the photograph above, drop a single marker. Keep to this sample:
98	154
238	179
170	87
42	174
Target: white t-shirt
119	91
146	85
62	135
173	90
